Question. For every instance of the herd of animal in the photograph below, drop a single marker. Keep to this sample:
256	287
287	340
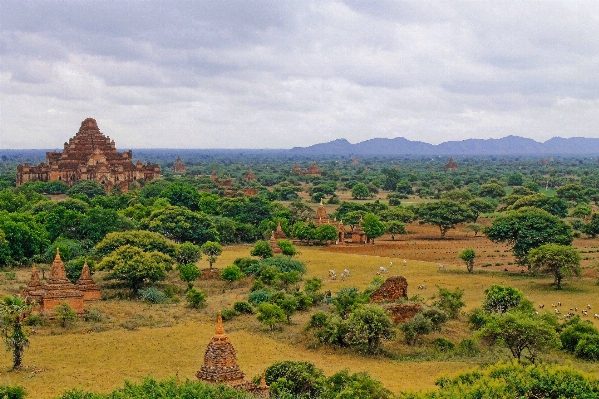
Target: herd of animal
382	269
584	312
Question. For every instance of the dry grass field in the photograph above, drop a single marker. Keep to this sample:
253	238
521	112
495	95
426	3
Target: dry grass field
135	340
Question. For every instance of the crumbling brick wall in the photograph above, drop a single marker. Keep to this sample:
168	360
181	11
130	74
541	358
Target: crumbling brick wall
394	288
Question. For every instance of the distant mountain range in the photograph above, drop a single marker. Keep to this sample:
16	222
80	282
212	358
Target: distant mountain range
510	145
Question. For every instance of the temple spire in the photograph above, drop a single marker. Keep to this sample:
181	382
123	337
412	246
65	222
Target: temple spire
220	330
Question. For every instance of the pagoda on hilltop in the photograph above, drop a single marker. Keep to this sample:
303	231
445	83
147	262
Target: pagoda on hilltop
58	288
89	156
220	365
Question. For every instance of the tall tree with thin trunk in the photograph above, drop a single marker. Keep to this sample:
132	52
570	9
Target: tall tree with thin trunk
13	310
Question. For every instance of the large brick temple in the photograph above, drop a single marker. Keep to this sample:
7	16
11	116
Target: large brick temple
89	156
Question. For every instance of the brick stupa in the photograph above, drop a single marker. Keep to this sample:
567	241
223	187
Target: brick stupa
276	249
85	284
58	288
279	233
220	365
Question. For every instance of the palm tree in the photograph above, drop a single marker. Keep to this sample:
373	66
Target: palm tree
13	310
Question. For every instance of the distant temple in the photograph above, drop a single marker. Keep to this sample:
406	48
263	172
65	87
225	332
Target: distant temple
451	165
89	156
220	365
58	288
323	218
249	176
313	170
179	166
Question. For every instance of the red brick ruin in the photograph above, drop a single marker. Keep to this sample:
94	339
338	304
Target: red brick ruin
58	288
322	218
313	170
220	365
394	288
89	156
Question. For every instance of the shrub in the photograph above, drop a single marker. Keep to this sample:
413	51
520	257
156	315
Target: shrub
415	327
188	272
262	250
93	315
231	273
228	314
243	307
588	347
467	347
450	301
259	296
196	299
443	345
271	315
573	333
14	392
478	318
436	316
249	266
152	295
287	248
301	380
33	319
65	314
284	264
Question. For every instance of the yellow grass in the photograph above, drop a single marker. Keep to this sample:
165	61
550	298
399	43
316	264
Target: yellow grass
172	338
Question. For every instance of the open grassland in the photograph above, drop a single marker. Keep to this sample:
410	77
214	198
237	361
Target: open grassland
135	340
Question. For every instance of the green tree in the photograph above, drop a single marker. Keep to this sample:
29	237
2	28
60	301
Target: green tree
287	248
348	299
592	227
304	231
459	196
182	195
90	188
212	250
23	236
492	190
271	315
188	273
416	327
298	379
134	267
231	273
478	206
559	260
468	255
582	211
343	385
65	314
516	179
360	191
555	206
367	327
180	225
500	299
188	253
145	240
519	332
326	232
528	228
450	301
196	299
262	250
373	227
573	192
444	214
395	227
13	310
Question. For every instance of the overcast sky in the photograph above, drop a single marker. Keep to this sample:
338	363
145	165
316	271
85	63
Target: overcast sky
278	74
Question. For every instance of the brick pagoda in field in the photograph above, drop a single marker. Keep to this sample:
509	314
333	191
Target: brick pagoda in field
279	233
220	365
313	170
179	166
58	288
322	218
89	156
276	249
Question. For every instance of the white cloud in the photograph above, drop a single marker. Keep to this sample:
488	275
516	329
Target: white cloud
254	74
